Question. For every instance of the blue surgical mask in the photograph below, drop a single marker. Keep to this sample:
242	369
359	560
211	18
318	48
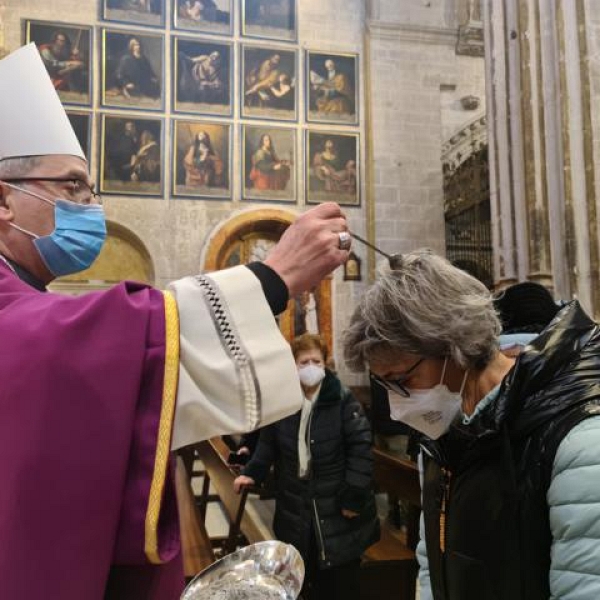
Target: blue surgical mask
78	236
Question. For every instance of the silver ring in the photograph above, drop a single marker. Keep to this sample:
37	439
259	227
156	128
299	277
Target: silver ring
345	240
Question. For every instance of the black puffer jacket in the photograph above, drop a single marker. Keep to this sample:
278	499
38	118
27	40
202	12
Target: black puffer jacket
341	477
486	514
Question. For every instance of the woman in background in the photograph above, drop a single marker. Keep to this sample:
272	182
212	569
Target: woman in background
325	504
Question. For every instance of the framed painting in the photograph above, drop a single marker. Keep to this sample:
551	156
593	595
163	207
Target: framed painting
310	312
273	19
205	16
132	69
332	167
201	159
268	163
268	84
332	88
139	12
66	50
202	76
82	126
131	155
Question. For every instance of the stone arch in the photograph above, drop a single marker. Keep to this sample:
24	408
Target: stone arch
124	256
269	221
307	312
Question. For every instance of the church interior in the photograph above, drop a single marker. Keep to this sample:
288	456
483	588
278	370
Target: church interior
471	127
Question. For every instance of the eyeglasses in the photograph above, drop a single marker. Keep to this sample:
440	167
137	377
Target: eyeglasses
397	385
80	191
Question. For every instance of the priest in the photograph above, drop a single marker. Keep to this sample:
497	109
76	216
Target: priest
97	390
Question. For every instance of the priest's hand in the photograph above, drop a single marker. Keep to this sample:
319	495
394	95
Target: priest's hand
241	482
309	249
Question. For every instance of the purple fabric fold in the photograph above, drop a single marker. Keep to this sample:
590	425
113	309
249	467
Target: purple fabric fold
80	399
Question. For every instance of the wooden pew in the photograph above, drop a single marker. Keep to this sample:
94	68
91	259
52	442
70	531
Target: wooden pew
389	567
196	548
242	529
400	478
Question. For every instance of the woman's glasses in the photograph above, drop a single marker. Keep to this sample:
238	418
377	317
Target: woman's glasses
397	385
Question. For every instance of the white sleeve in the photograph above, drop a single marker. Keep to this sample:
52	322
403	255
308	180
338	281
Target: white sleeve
236	370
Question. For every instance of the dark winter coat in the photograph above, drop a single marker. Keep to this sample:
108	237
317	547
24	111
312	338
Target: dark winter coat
341	477
486	513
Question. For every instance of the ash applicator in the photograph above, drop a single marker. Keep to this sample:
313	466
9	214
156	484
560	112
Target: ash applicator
394	259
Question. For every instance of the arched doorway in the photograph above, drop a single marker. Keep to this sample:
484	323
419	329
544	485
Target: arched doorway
123	256
249	236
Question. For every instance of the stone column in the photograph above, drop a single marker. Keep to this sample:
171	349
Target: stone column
541	152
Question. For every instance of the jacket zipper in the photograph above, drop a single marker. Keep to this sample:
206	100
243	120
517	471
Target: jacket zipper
446	477
314	502
320	533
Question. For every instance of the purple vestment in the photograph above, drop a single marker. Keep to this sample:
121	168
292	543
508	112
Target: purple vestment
81	391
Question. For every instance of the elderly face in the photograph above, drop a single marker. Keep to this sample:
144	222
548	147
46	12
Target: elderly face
329	145
136	49
275	59
329	65
313	356
130	129
214	58
35	215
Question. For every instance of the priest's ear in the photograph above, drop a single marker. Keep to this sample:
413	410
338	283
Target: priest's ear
6	212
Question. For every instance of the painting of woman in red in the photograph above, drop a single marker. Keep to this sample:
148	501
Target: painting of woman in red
268	172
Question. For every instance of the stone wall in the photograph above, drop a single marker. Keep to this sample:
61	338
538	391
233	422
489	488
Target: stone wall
411	84
417	81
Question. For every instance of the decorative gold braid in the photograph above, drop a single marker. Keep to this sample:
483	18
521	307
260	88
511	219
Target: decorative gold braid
163	442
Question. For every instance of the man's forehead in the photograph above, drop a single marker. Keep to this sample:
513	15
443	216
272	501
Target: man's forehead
60	165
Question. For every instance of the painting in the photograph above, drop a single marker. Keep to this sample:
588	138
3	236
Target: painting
139	12
132	69
82	126
269	83
309	312
206	16
201	159
332	167
131	156
269	163
66	50
332	88
202	76
273	19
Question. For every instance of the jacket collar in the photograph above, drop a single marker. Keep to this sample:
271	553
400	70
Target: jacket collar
331	389
535	368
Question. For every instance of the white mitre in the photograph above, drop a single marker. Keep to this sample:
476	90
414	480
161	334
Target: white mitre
33	121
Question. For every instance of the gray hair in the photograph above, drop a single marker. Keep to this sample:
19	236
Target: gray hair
11	168
427	307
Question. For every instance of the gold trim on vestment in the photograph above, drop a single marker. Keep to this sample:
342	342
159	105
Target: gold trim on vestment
163	442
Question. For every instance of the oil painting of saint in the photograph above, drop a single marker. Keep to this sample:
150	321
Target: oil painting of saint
210	16
269	163
201	160
332	95
274	19
269	83
333	168
139	12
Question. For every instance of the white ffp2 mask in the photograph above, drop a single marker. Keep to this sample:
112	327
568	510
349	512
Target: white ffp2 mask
311	375
429	411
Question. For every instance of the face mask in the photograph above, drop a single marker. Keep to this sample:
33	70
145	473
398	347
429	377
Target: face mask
429	411
78	236
311	375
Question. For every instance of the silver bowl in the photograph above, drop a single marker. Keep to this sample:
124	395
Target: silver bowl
263	571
